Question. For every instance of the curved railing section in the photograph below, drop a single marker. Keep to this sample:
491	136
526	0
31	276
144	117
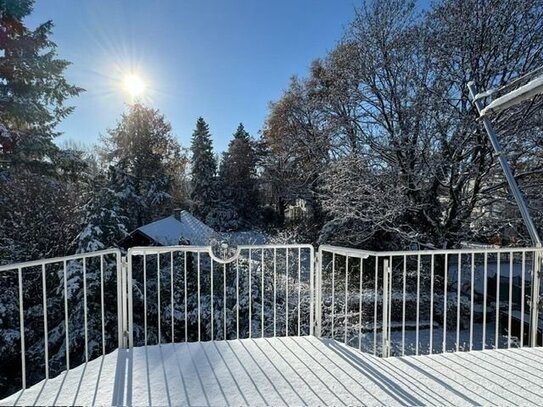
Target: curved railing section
192	293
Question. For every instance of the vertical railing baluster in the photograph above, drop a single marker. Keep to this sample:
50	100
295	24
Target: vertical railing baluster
522	294
145	298
511	264
171	298
159	305
125	334
311	293
274	292
333	290
318	264
237	298
262	295
250	294
85	309
198	284
22	327
498	282
403	302
418	307
224	299
485	292
389	308
346	297
185	293
375	307
384	326
299	288
66	320
211	300
458	299
102	304
472	298
535	297
432	264
45	329
128	309
360	305
445	280
286	292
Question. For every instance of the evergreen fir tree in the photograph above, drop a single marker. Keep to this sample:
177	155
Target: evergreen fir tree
203	171
104	223
239	195
33	89
148	158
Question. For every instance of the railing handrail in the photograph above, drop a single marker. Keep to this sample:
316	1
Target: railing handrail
426	252
34	263
149	250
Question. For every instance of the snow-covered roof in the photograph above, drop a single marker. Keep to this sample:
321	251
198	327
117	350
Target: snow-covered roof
188	229
169	231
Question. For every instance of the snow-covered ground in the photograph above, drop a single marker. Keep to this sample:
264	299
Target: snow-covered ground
293	371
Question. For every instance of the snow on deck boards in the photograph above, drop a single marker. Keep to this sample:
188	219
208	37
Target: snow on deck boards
293	371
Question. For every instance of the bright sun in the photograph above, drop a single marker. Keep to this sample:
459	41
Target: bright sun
134	85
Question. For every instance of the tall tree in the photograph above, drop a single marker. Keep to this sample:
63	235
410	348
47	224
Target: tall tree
33	170
143	148
237	176
386	114
104	220
33	90
203	171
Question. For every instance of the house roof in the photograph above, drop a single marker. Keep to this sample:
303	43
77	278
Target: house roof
169	231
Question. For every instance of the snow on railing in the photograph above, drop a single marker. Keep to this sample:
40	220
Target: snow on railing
55	303
188	293
413	302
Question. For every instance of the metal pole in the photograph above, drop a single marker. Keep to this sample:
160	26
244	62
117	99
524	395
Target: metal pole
523	208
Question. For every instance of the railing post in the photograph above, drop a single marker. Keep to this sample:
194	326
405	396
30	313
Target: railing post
122	289
318	293
386	312
535	299
312	292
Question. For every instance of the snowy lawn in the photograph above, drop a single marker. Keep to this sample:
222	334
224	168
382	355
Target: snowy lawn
293	371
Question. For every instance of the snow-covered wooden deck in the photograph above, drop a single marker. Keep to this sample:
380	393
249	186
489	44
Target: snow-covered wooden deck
293	371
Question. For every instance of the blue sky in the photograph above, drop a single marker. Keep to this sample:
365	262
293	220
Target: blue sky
223	60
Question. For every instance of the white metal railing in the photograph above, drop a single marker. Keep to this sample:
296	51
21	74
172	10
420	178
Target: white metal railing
385	303
46	289
188	293
413	302
162	294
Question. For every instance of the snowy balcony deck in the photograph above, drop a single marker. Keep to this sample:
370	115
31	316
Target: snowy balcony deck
292	371
276	325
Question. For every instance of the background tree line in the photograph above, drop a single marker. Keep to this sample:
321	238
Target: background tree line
380	139
59	199
381	135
